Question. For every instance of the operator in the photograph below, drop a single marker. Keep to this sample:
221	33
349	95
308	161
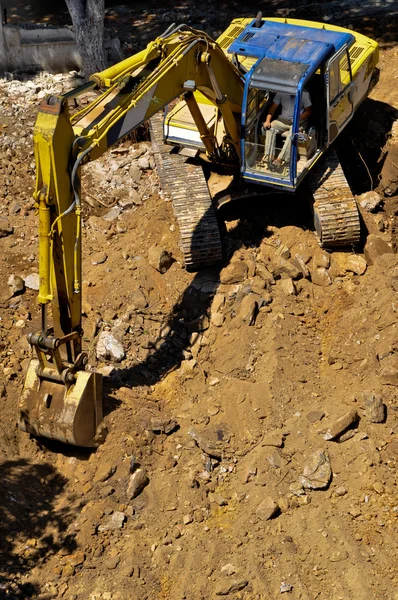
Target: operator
284	123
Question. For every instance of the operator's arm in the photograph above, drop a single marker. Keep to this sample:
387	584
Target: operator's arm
271	112
306	106
306	114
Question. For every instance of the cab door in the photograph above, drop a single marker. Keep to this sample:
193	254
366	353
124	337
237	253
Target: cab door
339	93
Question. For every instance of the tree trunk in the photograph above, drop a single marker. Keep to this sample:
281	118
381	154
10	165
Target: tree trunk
88	24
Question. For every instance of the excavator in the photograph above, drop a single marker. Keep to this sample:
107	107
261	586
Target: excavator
207	101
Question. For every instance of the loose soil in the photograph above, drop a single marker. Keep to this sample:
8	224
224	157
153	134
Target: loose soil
222	413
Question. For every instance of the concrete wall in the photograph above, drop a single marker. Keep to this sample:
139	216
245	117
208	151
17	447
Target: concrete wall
36	47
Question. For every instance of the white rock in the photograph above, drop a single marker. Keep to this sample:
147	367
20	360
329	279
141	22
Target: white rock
115	521
143	163
217	319
112	214
137	482
369	201
32	281
317	472
16	284
109	348
356	264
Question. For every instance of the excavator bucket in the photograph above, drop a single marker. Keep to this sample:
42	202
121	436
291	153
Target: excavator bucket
52	409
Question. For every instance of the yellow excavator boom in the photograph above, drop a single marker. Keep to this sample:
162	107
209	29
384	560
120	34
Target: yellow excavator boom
61	399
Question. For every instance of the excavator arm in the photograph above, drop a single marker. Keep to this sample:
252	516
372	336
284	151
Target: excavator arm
61	399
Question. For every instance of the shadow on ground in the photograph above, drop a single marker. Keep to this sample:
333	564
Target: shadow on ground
137	22
31	530
250	222
360	145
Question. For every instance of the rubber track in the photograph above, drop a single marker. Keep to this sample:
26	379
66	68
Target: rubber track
334	204
185	185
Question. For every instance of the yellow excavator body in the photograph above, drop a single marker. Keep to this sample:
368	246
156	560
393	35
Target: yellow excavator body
62	398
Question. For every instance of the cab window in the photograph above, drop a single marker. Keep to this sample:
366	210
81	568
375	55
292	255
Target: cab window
339	75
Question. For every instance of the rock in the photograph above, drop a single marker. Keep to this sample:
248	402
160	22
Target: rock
143	163
339	556
112	214
276	460
286	269
112	562
200	324
320	276
375	246
187	519
138	300
218	303
341	424
217	319
230	588
115	521
5	228
304	252
264	274
163	425
135	173
234	273
301	265
104	471
106	491
98	258
68	571
98	224
218	499
77	558
206	445
273	438
296	489
283	251
257	285
159	258
317	472
248	310
356	264
126	203
267	509
109	348
369	201
127	569
321	259
375	410
137	482
228	569
16	284
288	287
285	587
138	152
347	435
32	281
315	415
248	474
170	462
336	366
